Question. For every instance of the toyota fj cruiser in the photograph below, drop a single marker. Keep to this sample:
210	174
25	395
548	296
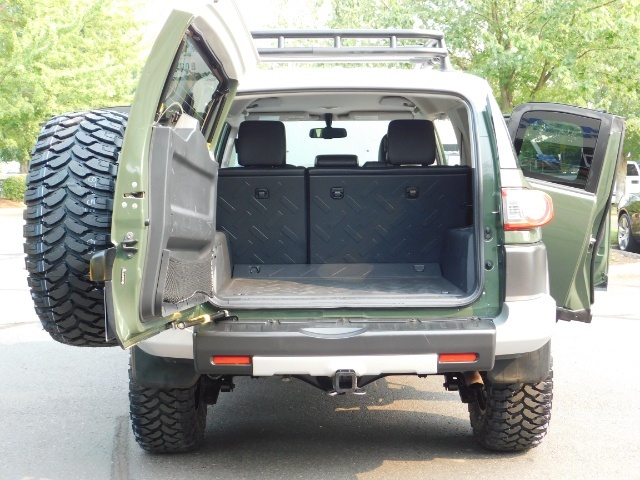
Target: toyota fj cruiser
334	225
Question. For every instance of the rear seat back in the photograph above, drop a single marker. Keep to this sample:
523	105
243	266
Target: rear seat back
262	205
385	215
389	215
336	161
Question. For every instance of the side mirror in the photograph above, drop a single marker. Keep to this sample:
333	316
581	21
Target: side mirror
328	133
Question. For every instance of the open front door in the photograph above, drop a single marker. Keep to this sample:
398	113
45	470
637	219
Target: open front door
571	153
164	211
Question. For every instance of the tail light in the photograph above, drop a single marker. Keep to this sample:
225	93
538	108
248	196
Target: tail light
525	209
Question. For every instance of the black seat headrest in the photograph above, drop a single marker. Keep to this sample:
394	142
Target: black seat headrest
372	164
333	161
382	149
261	144
411	142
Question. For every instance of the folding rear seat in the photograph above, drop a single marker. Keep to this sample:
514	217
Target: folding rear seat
262	204
399	213
336	161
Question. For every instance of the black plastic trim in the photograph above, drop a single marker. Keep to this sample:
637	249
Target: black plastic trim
573	315
532	367
346	337
159	372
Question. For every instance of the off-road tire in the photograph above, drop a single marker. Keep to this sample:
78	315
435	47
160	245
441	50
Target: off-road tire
516	416
69	198
167	420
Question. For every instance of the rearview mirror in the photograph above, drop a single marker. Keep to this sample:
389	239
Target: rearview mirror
328	133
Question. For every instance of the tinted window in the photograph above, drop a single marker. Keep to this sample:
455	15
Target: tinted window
191	88
557	147
632	170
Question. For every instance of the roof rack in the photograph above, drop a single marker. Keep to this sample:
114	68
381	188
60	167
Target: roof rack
432	50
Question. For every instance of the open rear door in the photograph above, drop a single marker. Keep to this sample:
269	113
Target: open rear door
164	213
571	153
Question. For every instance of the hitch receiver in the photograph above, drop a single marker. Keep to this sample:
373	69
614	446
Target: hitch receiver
345	381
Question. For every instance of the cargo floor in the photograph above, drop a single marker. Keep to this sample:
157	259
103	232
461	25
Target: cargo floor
335	281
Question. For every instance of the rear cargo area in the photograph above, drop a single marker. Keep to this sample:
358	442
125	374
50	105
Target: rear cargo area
342	235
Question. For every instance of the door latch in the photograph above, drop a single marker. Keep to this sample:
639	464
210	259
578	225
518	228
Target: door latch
128	245
199	320
592	242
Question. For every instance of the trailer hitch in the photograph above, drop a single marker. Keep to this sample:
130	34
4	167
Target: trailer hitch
345	381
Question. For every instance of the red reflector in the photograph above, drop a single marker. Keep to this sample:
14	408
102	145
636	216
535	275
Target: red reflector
457	357
231	360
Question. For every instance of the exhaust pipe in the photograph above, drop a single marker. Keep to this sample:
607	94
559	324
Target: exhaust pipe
473	380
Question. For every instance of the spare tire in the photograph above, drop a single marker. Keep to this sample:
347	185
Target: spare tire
69	198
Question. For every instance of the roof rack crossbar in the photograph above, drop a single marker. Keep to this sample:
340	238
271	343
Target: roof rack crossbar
432	49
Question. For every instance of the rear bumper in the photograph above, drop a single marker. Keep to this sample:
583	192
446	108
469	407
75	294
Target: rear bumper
521	327
367	347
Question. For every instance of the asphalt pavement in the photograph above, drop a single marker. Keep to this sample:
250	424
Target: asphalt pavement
64	410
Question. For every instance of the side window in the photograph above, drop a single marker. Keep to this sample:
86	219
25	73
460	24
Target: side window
218	148
194	87
632	170
448	141
557	147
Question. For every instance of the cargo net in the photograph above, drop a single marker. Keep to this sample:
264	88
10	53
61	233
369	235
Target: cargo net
185	279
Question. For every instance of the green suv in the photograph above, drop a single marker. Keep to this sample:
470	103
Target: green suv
334	225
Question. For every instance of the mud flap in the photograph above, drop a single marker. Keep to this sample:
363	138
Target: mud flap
532	367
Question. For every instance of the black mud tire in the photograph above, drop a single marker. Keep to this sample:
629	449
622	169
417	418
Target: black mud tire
69	198
516	417
167	420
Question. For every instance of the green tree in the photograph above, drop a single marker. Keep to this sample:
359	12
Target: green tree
61	55
582	52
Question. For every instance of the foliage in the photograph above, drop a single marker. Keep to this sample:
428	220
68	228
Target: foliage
62	55
13	188
632	138
581	52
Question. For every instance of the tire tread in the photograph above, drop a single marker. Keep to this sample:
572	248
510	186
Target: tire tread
167	420
69	199
516	417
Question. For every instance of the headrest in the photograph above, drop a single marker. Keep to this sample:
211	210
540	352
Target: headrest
411	142
382	149
261	144
336	161
372	164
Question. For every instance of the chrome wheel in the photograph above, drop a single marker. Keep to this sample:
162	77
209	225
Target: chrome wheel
624	232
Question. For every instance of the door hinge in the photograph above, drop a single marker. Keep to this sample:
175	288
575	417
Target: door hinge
128	245
592	242
573	315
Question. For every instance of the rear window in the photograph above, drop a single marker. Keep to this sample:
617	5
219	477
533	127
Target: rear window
363	139
193	87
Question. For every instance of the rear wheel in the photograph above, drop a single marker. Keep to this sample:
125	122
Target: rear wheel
625	238
167	420
515	416
69	198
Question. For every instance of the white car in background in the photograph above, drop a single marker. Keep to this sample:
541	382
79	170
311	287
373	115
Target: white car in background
632	181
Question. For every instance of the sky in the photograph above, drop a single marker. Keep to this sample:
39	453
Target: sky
257	14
